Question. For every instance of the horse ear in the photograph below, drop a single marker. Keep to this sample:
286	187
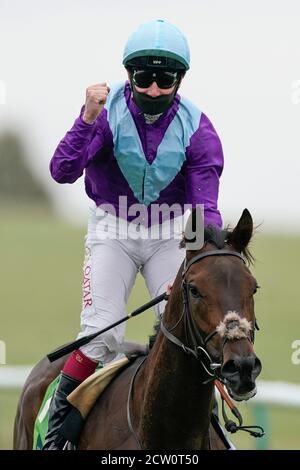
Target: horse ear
242	233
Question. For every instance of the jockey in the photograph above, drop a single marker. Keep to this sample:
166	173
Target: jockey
142	147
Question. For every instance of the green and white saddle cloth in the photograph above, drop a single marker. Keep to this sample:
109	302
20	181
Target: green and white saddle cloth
41	422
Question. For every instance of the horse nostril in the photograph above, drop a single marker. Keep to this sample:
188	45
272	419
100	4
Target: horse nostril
244	367
257	368
229	368
240	374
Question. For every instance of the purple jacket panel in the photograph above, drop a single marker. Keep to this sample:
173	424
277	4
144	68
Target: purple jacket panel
90	148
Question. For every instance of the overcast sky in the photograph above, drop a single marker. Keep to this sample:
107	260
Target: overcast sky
245	75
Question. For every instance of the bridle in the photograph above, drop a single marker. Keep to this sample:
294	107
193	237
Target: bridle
198	348
197	342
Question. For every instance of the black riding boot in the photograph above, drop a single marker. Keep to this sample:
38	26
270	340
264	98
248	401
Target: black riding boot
58	411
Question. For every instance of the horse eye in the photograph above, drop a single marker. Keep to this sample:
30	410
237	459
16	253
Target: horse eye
194	291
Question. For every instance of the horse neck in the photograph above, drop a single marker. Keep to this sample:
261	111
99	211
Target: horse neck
176	405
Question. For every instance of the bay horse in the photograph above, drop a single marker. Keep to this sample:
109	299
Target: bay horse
207	331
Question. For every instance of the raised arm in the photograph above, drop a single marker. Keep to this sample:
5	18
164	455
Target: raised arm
83	140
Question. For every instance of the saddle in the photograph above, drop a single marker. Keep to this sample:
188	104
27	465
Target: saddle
86	394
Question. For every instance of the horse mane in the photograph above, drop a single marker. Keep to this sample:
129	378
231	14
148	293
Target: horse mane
219	238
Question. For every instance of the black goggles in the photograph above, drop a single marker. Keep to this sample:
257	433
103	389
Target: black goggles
163	78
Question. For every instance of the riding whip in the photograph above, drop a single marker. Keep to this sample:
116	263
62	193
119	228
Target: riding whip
53	356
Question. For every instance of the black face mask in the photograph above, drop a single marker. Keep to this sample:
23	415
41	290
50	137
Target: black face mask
153	106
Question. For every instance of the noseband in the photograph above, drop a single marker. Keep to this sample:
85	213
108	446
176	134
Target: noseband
198	343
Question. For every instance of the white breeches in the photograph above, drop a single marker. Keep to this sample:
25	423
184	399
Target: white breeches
110	268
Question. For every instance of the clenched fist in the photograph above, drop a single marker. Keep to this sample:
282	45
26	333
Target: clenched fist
95	100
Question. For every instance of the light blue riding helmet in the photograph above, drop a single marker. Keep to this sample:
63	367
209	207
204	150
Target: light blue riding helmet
158	38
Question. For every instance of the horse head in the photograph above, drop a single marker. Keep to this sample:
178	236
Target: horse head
218	314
